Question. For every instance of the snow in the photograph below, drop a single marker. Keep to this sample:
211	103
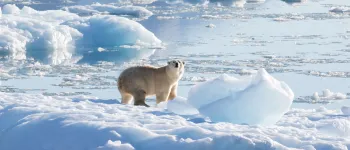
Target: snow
180	106
326	97
51	105
210	26
56	36
83	122
259	100
97	8
327	94
117	145
335	127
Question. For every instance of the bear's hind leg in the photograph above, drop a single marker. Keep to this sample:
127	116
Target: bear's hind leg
126	97
140	98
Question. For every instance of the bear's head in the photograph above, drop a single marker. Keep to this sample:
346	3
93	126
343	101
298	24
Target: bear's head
176	68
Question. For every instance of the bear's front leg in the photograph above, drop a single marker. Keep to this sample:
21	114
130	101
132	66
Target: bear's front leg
173	92
162	96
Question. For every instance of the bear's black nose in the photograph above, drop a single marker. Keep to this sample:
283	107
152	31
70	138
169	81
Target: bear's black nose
176	65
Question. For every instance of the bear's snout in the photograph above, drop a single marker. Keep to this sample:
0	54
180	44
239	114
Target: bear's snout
176	65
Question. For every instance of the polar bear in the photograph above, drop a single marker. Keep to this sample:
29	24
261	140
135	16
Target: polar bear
141	81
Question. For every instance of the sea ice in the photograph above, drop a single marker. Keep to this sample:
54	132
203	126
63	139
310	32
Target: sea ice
57	36
10	9
264	100
84	122
97	8
101	31
88	2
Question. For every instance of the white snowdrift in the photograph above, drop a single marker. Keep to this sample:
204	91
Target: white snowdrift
57	36
42	122
264	100
97	8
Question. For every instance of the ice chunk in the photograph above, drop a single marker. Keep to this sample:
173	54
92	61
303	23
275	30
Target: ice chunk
262	101
30	33
12	43
326	97
57	36
210	26
203	93
101	32
10	9
180	106
327	94
117	145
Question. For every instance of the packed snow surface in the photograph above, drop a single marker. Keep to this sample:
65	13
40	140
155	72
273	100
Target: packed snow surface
57	36
180	106
258	100
54	122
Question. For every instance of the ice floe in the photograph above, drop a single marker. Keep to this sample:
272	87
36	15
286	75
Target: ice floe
97	8
257	100
56	36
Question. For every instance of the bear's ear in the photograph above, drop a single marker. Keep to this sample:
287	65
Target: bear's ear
183	62
169	62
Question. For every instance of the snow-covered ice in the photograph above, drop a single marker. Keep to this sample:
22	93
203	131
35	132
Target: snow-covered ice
60	58
327	96
259	100
84	122
210	26
180	106
57	36
97	8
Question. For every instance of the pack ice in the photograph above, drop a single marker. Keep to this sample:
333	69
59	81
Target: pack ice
57	36
260	99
